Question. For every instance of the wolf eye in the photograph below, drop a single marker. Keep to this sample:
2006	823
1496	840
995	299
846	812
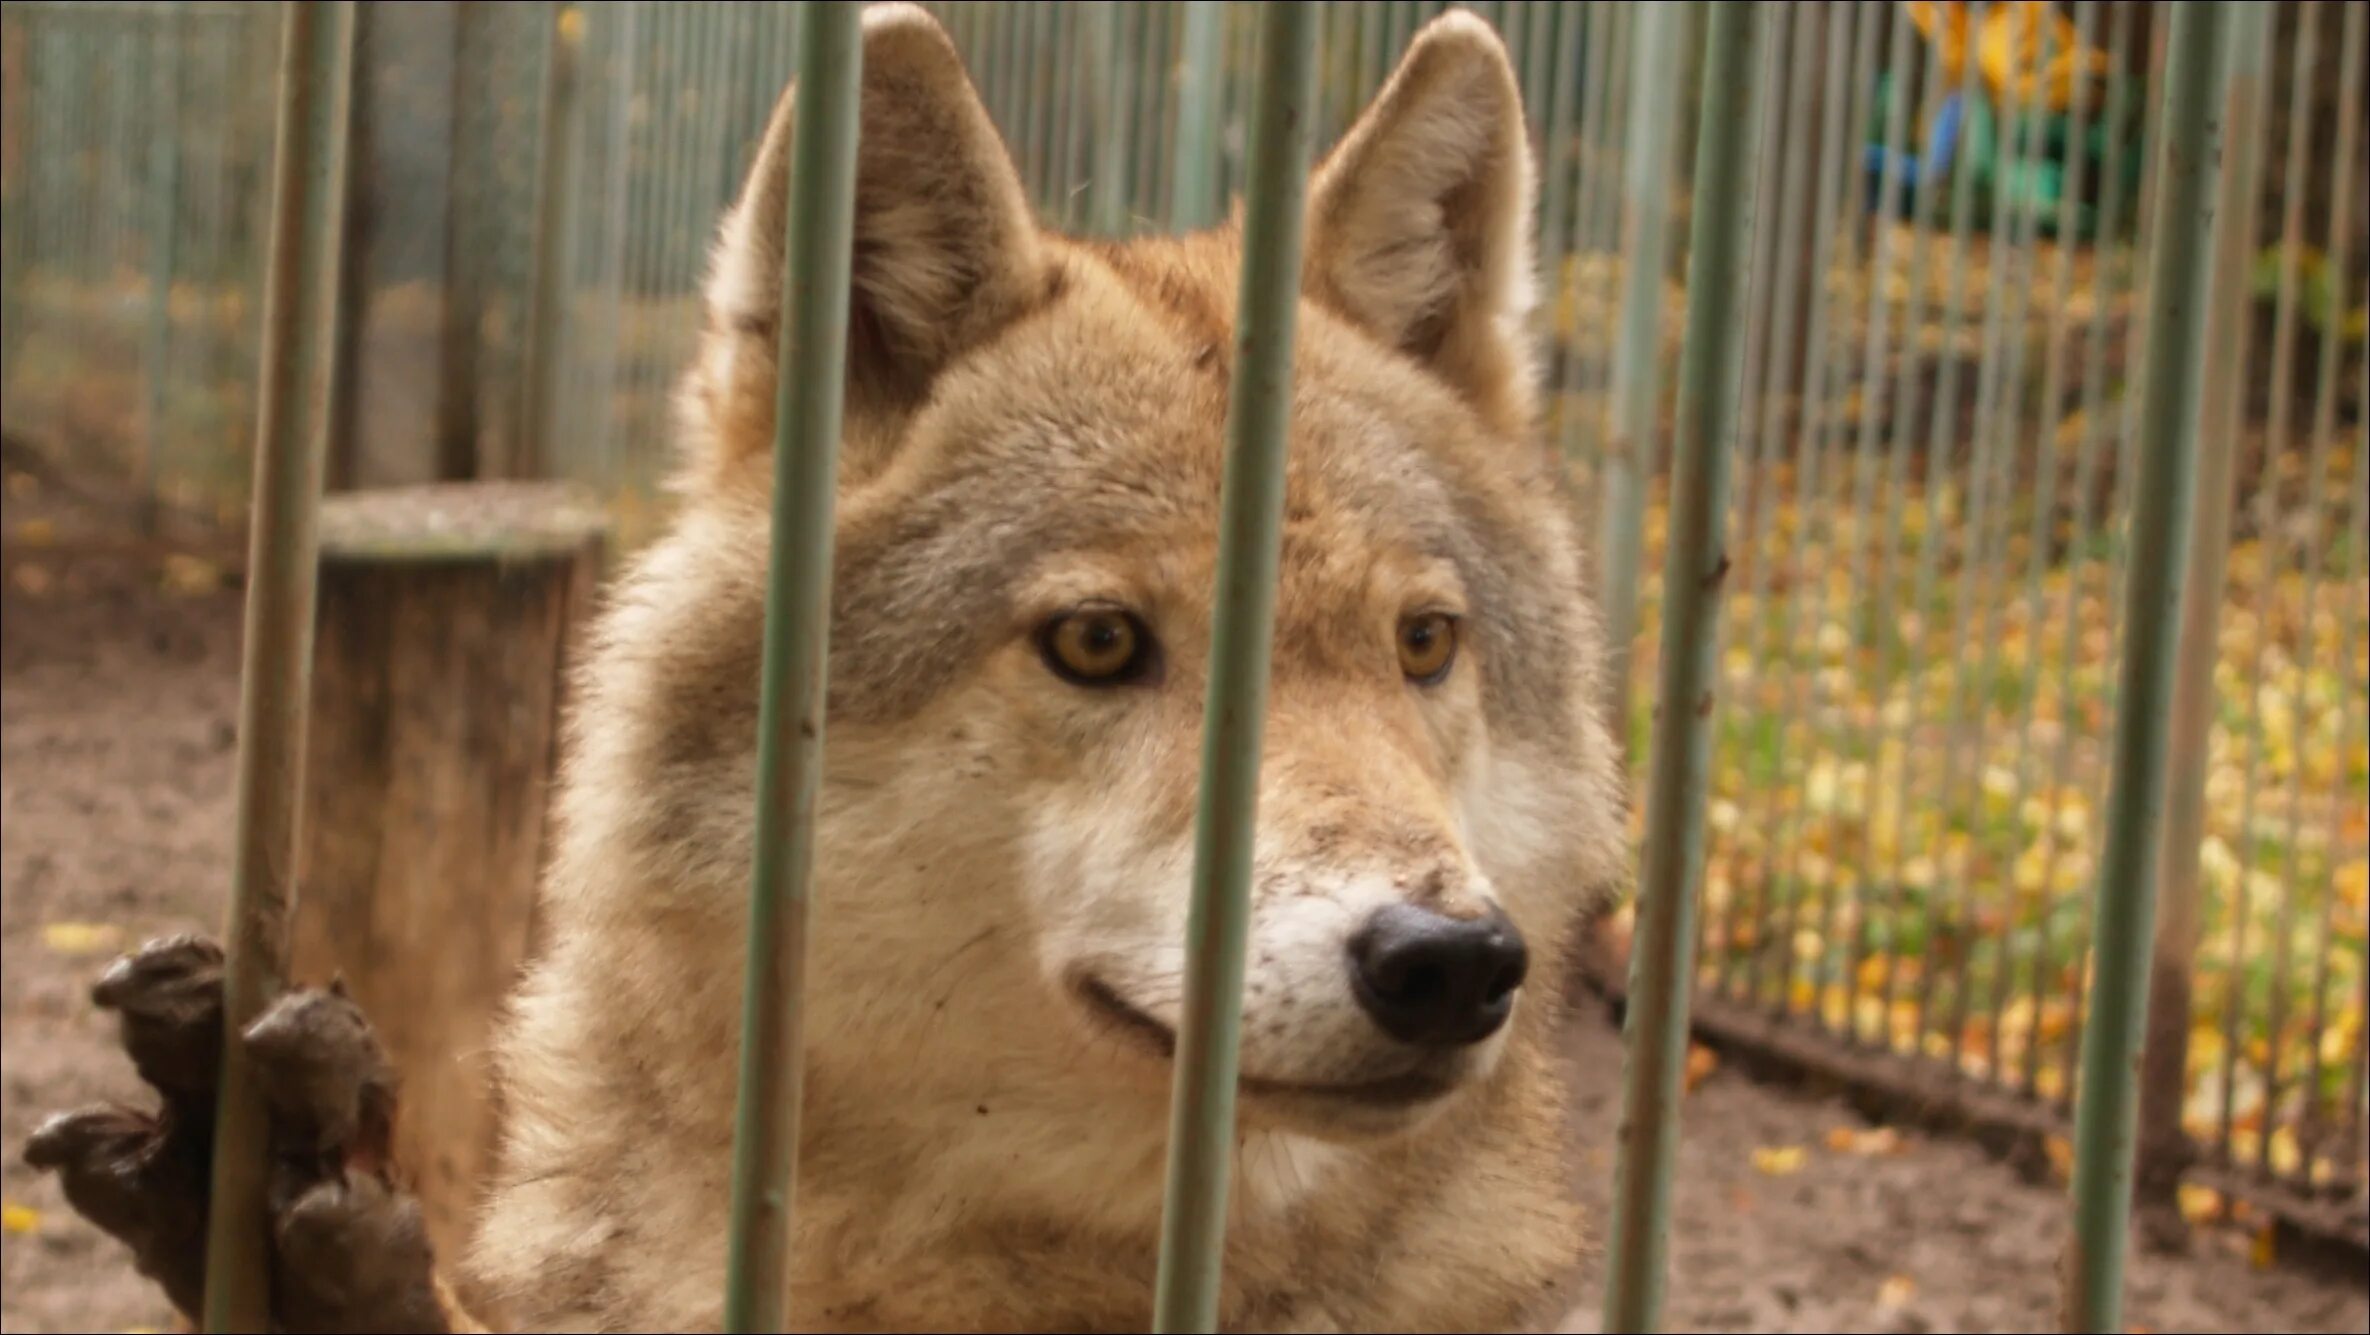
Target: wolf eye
1427	645
1097	647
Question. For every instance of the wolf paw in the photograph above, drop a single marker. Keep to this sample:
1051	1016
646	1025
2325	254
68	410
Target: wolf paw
350	1248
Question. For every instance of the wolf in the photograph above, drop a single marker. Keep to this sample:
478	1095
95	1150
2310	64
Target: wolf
1024	557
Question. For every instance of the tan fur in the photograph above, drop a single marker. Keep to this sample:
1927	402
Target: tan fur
1034	422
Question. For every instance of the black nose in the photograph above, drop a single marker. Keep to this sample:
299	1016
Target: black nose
1439	981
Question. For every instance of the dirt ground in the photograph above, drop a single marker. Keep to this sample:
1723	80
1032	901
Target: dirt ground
117	701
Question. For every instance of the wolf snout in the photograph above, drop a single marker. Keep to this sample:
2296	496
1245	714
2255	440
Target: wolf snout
1437	981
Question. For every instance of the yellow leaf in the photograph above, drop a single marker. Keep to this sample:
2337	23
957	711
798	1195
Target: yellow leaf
2263	1251
1896	1291
184	573
2061	1156
80	938
1872	1141
15	1218
1780	1160
2199	1204
1701	1062
37	533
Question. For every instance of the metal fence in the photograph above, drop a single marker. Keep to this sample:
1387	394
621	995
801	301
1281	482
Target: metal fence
1934	471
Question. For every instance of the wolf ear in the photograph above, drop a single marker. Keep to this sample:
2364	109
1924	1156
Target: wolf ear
946	250
1419	222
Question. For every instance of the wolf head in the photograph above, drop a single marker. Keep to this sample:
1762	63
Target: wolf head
1021	617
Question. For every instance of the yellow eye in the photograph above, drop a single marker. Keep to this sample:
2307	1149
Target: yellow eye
1427	645
1097	647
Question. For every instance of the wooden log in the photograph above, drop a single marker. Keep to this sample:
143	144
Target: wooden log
447	618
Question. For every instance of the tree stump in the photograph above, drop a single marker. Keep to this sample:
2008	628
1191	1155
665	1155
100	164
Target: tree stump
446	623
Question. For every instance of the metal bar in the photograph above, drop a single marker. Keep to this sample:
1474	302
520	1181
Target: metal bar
2039	539
2168	427
554	194
1938	428
2162	1145
296	369
1193	194
2282	382
2111	212
807	400
1874	410
1637	357
1825	353
1830	392
2324	433
1694	566
1800	72
164	187
1717	923
1201	1116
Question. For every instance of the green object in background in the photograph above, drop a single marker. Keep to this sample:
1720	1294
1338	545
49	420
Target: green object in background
1970	125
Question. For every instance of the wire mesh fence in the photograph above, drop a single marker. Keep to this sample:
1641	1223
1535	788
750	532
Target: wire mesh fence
1928	523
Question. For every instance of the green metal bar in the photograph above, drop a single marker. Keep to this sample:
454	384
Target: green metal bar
164	198
2039	539
1201	1119
2324	433
2125	912
1193	194
1800	72
2111	212
554	241
807	398
1637	358
1831	355
2163	1144
1941	415
1694	567
1753	503
296	369
1876	414
2276	434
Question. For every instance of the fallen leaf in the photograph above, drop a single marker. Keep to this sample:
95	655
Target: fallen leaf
183	573
23	486
15	1218
2061	1156
1701	1062
32	579
2263	1251
1870	1141
1780	1160
80	938
37	533
1896	1291
2199	1204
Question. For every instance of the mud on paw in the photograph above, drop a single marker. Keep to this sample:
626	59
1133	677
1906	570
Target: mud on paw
350	1248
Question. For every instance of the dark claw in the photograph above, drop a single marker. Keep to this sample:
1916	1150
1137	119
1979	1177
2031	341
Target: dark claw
132	1176
168	999
354	1256
321	1069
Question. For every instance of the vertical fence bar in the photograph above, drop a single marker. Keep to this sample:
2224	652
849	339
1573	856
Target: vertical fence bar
164	201
1694	566
2125	903
1201	108
2162	1146
296	369
1201	1119
554	238
797	629
1637	357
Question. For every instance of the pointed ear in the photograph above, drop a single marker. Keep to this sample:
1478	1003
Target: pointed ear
1419	224
946	249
